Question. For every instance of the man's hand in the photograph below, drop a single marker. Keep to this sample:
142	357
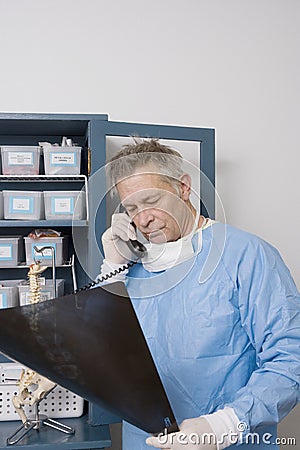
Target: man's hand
114	239
194	434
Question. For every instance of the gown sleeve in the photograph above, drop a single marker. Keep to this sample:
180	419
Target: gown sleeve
269	306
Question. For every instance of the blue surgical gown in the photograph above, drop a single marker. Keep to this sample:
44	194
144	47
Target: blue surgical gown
223	330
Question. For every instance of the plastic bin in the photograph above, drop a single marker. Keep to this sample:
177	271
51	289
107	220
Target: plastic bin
9	294
62	160
59	403
46	291
1	206
58	243
64	205
11	250
23	205
20	160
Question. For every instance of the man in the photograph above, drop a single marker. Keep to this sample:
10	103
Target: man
218	308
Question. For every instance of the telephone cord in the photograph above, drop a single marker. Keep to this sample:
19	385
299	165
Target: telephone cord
105	277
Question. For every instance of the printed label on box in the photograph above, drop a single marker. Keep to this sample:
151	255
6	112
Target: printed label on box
10	374
20	158
46	295
63	159
25	297
3	300
5	252
62	205
21	204
47	254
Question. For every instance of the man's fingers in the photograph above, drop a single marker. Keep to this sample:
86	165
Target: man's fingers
124	232
158	442
122	227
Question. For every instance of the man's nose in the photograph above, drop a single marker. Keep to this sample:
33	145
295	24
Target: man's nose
143	218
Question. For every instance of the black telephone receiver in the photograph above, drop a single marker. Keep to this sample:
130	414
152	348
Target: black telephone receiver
134	245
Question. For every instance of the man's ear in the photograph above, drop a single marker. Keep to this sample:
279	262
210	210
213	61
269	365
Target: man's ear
185	188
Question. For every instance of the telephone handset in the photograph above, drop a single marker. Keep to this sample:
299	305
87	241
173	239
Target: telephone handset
136	247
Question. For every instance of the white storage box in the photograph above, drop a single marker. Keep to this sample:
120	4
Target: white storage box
9	295
20	160
46	291
58	404
64	205
58	243
1	206
23	205
62	160
11	250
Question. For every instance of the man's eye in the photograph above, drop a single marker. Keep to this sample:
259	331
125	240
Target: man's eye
130	210
152	201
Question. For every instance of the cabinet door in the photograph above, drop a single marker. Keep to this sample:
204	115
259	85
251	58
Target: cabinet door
197	146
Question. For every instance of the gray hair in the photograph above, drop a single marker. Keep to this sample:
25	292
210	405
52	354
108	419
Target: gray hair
141	153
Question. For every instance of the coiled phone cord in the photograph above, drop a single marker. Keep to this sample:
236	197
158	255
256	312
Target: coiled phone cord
105	277
136	247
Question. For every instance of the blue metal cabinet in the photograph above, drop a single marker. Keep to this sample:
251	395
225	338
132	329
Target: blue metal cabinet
91	132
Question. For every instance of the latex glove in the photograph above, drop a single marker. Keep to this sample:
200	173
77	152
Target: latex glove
114	239
194	434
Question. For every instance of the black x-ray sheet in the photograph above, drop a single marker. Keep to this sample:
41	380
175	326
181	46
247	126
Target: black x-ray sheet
91	343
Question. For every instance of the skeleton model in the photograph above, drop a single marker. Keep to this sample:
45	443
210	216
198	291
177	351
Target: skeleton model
34	274
32	387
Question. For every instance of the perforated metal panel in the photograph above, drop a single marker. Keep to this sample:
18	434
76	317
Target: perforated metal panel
59	403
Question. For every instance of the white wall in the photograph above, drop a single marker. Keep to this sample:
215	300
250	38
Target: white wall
232	65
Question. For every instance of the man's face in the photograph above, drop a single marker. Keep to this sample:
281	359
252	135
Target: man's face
159	211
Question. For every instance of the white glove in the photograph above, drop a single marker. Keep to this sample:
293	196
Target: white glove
194	434
215	431
114	239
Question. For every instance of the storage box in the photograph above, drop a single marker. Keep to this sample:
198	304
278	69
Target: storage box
11	250
58	403
23	205
62	160
1	206
58	243
20	160
46	291
9	294
64	205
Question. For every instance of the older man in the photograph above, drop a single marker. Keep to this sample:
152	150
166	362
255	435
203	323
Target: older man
217	305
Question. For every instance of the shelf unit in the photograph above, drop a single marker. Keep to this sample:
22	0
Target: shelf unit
29	129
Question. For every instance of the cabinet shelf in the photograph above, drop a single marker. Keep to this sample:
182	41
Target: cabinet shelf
23	265
43	178
86	436
43	223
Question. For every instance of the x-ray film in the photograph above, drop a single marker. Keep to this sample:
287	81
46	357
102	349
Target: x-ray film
91	343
